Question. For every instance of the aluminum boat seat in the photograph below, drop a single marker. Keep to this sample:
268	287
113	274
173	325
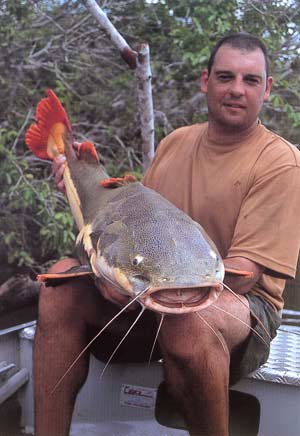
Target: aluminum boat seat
264	403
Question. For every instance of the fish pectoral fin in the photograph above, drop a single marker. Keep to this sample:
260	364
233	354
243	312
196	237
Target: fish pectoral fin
115	182
238	272
57	279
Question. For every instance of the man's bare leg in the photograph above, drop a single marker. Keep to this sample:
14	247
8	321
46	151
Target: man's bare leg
197	366
60	336
69	316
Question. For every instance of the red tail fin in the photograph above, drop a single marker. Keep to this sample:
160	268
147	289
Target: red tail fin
45	136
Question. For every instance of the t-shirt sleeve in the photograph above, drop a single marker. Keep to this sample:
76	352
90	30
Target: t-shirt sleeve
267	230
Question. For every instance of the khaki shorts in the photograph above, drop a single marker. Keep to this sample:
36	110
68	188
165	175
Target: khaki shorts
254	352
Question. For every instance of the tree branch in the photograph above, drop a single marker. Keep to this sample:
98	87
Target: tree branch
17	292
144	77
129	55
141	62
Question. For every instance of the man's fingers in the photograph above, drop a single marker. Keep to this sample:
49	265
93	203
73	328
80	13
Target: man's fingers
61	186
58	168
58	162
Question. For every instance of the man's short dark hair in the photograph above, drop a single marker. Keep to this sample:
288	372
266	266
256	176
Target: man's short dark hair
241	41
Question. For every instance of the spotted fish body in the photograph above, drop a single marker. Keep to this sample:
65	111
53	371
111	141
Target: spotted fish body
129	234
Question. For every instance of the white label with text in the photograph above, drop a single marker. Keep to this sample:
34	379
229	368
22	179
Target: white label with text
138	396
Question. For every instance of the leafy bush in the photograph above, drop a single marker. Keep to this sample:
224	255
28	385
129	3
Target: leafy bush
35	222
57	44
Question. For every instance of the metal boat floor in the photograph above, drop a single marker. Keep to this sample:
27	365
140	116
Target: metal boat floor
124	428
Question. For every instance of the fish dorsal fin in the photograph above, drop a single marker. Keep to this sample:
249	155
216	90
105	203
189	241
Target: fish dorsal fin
115	182
87	152
45	136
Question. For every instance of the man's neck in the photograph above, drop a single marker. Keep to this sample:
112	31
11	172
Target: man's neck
223	135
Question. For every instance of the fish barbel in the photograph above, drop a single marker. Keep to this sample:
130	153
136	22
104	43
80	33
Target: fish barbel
128	234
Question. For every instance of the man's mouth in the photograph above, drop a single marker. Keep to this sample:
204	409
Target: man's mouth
235	105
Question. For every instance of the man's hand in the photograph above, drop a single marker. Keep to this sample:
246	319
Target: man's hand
110	293
58	167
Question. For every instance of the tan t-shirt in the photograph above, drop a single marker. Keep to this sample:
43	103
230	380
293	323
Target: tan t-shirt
246	195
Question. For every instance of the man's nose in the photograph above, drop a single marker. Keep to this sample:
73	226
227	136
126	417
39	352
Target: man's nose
237	88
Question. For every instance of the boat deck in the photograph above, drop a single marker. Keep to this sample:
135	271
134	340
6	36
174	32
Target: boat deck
122	403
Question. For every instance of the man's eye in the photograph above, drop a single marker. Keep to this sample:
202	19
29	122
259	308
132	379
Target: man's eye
252	81
224	78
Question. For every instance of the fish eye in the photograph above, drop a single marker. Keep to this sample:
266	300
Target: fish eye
137	260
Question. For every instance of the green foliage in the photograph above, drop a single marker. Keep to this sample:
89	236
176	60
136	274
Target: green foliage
57	44
35	222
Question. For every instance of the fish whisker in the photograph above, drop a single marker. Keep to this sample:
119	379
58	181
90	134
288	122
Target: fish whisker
95	337
241	321
218	336
121	341
252	313
155	339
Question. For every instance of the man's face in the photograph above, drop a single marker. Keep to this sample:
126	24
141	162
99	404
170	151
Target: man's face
236	88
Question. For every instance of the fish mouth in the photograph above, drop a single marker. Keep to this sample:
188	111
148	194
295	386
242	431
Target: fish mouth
181	300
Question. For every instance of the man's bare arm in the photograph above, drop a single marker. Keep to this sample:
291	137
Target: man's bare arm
240	284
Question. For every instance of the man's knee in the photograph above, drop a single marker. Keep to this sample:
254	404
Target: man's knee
191	338
63	265
64	302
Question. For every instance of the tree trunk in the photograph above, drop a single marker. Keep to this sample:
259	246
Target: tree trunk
17	292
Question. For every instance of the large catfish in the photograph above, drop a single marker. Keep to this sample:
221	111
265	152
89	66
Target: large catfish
128	234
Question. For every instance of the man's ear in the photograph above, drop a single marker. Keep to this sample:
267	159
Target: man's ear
203	81
268	88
